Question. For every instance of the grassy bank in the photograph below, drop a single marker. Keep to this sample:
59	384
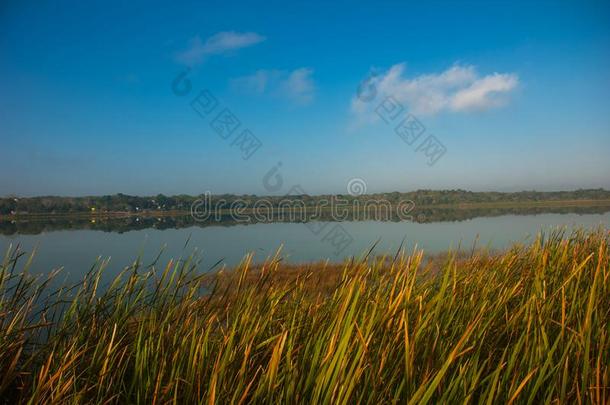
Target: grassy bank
530	325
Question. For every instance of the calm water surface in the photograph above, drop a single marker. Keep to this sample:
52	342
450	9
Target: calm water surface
77	250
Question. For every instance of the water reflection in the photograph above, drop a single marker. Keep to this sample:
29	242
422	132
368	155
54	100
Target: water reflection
74	245
34	226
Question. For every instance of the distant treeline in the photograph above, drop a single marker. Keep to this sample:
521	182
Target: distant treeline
127	203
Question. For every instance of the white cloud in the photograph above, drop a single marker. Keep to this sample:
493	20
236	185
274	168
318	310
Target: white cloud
458	88
217	44
297	85
484	92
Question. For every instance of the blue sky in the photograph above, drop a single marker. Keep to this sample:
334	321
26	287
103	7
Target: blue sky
516	93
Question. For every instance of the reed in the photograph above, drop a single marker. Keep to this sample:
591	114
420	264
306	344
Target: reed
529	325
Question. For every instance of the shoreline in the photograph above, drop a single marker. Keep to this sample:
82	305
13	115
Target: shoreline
179	213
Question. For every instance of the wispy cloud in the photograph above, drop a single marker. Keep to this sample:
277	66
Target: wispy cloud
296	85
219	43
485	92
459	88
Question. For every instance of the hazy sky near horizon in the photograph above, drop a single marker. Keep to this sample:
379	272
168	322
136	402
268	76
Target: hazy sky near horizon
516	92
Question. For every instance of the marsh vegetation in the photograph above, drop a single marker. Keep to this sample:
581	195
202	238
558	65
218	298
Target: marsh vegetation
528	325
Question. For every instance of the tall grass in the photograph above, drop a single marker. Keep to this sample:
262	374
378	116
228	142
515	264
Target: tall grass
530	325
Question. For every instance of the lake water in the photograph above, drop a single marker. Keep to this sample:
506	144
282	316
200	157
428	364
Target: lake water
77	249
